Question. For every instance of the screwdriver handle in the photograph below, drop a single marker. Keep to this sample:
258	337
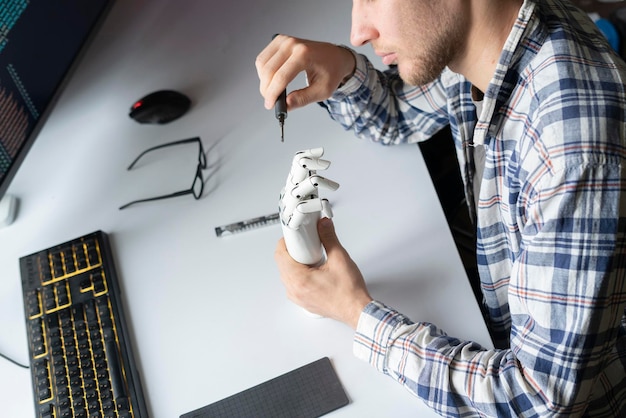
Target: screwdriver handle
280	108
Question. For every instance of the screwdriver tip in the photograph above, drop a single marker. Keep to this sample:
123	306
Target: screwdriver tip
281	122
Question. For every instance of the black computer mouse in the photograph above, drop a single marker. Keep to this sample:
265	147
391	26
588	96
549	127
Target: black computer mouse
160	107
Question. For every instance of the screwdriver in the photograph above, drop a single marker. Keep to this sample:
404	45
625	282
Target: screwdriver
280	109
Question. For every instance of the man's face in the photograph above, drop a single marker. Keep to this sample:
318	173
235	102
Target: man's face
421	36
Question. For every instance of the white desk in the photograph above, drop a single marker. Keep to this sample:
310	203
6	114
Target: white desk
209	315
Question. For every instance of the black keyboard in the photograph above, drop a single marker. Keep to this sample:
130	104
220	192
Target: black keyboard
80	354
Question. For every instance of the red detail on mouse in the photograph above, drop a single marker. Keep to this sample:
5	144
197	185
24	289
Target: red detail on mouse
160	107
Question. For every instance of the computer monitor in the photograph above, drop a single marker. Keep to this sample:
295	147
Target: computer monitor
41	42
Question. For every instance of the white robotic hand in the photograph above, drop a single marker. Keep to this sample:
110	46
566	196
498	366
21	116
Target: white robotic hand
300	206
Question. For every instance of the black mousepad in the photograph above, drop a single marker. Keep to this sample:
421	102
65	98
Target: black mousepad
307	392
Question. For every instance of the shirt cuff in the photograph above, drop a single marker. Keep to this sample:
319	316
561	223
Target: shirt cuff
355	82
373	332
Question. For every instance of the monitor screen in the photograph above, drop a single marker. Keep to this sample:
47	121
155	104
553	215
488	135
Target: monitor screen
40	44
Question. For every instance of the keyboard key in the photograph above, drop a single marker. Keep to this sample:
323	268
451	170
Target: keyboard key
33	304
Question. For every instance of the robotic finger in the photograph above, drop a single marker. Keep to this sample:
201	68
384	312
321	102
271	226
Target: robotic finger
327	210
309	185
305	163
302	212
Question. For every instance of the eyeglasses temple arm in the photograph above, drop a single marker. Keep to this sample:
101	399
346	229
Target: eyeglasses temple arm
169	144
150	199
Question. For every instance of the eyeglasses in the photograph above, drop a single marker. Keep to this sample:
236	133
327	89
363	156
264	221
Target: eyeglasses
197	187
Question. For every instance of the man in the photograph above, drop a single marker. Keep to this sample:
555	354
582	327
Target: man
536	102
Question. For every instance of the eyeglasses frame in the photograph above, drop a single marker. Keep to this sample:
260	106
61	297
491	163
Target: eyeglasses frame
202	164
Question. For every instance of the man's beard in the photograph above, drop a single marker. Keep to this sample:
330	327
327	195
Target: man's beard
441	49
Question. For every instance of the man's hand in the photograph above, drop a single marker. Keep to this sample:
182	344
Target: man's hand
326	66
334	290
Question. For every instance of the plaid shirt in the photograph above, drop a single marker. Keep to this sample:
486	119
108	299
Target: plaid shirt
551	225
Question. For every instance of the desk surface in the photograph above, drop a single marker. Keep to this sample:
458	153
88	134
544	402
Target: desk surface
209	315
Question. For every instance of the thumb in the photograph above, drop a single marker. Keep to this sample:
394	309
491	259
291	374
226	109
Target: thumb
307	95
328	237
299	98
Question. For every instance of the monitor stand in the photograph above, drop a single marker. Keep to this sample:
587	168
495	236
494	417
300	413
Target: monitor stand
8	210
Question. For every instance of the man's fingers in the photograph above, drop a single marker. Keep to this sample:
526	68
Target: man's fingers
276	68
328	237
